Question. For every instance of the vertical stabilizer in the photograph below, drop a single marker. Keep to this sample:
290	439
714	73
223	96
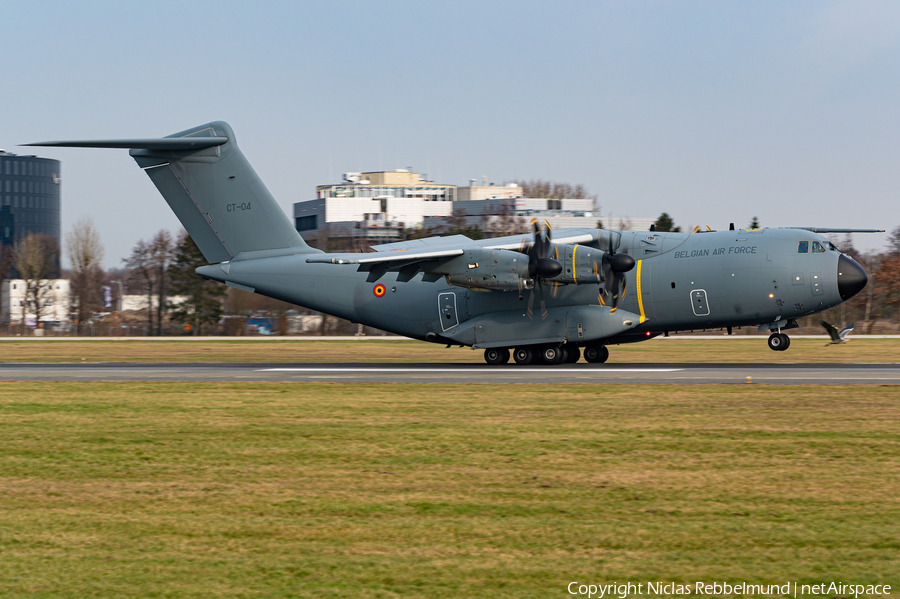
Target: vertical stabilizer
213	190
219	198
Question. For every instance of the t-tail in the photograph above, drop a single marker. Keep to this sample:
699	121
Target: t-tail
213	190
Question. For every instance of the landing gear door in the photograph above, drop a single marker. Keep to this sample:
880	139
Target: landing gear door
448	312
575	325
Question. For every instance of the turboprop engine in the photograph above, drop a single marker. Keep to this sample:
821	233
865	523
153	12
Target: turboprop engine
581	264
500	270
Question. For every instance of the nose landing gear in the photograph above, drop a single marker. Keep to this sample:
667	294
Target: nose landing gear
596	354
779	341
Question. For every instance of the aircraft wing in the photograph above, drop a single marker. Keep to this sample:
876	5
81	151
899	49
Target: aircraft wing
830	230
389	257
407	263
426	244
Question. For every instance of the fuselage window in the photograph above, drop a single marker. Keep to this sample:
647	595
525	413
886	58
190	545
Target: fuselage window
818	248
803	248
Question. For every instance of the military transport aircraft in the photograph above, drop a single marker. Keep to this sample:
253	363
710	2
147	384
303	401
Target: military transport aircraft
544	297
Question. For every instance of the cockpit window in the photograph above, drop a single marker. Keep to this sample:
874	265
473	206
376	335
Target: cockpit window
817	248
804	247
832	247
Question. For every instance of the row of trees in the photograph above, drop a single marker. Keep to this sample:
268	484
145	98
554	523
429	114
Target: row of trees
666	224
162	268
880	300
159	269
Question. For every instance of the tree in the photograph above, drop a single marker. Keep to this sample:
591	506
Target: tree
141	273
85	285
203	298
894	242
162	249
889	282
35	257
666	224
754	224
538	188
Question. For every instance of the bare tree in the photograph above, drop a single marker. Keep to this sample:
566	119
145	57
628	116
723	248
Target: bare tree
141	274
538	188
162	252
35	258
85	285
894	242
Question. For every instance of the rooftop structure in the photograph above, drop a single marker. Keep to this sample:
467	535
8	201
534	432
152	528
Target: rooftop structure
400	183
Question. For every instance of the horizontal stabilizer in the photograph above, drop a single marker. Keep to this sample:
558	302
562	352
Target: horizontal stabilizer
182	144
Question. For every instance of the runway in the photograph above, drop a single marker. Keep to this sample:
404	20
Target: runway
685	373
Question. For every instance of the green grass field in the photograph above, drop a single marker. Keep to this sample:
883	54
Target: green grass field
395	490
683	349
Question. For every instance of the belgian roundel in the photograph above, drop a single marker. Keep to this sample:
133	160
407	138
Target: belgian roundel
379	290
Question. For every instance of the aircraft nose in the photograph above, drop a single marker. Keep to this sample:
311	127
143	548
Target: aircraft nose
851	277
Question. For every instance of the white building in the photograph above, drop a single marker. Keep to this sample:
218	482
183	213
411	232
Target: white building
139	302
54	297
378	206
473	192
391	200
497	217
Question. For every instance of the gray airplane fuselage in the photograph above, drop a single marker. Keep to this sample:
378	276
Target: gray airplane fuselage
681	281
493	293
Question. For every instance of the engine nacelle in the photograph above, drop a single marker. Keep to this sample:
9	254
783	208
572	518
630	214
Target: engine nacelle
500	270
582	264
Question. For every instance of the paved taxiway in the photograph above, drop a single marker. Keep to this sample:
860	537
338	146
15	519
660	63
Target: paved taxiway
778	374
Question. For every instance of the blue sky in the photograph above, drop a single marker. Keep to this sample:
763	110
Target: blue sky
712	111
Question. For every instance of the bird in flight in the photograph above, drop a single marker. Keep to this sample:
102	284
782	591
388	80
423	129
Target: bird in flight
837	336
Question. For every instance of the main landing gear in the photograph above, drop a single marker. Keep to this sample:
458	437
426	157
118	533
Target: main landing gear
779	341
567	353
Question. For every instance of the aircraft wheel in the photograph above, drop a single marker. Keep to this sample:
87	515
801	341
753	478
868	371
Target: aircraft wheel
523	355
551	354
564	354
496	356
596	354
779	341
574	353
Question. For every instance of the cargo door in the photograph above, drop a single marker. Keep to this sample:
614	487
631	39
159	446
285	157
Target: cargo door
447	308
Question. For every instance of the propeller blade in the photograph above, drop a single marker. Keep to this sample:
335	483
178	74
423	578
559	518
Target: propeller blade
530	310
540	289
